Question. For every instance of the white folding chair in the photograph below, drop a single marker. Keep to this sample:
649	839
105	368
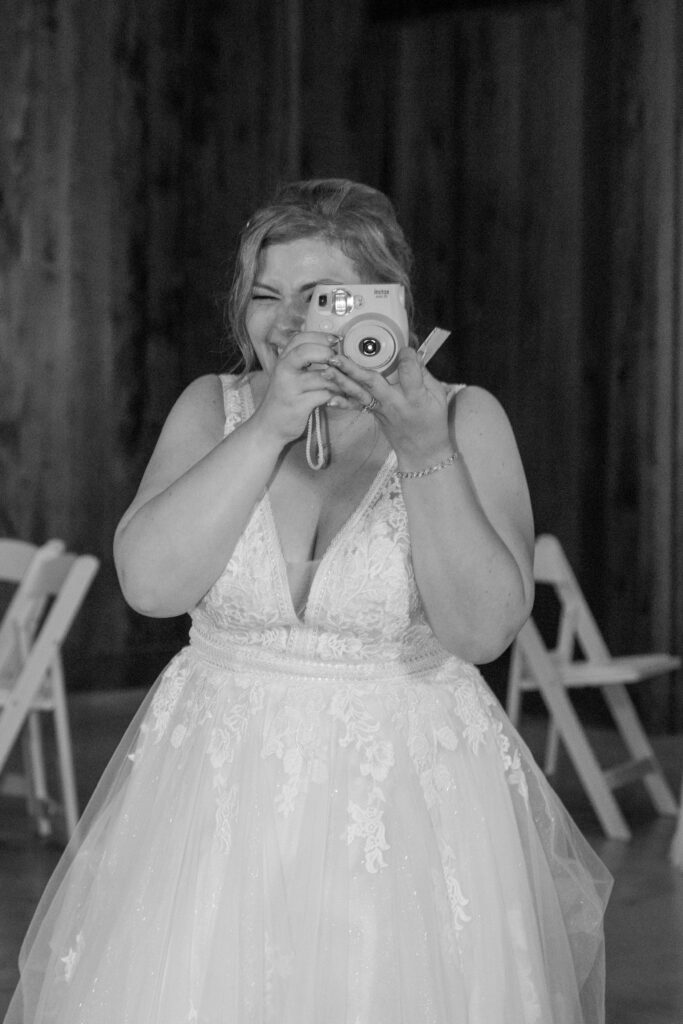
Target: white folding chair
49	593
677	842
19	562
555	670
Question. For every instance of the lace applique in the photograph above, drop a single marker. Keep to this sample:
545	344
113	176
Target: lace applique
294	737
468	708
232	420
348	705
338	646
370	602
421	720
243	601
71	959
456	898
231	403
512	763
366	823
168	695
232	723
227	807
520	943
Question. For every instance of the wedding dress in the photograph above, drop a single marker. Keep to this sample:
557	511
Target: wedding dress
320	816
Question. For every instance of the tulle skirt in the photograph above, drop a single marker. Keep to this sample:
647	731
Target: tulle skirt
273	845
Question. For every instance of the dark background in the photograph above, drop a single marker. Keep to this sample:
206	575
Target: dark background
533	152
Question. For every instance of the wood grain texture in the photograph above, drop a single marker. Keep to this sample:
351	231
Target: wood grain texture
533	152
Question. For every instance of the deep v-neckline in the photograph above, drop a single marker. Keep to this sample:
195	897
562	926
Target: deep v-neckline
322	568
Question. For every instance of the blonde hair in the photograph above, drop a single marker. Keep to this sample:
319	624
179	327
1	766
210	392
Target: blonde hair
360	220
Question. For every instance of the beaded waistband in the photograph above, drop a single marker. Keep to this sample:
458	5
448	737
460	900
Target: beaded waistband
279	663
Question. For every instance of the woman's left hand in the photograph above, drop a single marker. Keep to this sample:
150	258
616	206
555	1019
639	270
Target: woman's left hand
412	411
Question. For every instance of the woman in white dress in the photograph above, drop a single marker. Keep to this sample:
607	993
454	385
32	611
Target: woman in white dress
321	814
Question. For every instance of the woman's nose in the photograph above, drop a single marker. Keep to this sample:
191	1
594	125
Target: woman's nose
292	315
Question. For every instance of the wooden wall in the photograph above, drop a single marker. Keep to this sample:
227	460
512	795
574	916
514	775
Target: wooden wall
533	153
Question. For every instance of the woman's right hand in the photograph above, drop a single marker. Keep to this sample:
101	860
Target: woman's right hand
296	385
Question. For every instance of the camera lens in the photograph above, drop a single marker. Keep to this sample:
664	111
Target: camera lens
368	346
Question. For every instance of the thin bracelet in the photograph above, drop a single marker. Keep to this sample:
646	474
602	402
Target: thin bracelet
411	474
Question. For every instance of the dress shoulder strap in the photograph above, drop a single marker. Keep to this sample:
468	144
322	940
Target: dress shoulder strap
233	400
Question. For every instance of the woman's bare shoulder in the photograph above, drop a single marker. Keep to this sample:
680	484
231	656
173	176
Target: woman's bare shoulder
199	409
193	427
477	411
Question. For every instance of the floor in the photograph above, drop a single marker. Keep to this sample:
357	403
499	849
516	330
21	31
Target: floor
644	922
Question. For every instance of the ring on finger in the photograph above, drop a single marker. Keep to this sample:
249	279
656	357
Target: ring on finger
372	404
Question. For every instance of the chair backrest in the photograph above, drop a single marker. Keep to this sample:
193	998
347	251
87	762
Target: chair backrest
576	623
15	558
64	579
21	564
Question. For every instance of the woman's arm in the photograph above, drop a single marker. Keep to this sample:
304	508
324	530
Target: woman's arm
471	532
200	488
471	528
193	503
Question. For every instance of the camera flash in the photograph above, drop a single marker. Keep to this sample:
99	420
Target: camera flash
342	302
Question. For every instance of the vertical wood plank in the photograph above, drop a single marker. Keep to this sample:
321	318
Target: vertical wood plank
676	512
425	172
243	134
659	456
551	311
596	187
534	158
642	362
657	452
491	212
626	326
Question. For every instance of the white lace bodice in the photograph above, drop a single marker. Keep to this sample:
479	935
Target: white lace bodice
363	604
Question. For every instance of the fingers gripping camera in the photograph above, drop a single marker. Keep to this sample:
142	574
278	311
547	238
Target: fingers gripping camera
370	320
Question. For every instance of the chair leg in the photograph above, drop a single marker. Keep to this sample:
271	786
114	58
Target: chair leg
64	753
37	781
639	746
552	745
677	844
585	762
23	784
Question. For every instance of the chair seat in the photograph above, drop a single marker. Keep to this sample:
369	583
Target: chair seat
629	668
43	701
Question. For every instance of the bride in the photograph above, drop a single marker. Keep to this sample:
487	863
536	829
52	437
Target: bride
321	814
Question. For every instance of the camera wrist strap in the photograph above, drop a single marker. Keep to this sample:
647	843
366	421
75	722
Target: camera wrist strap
314	429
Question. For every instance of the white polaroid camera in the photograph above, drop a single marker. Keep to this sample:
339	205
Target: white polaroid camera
370	320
